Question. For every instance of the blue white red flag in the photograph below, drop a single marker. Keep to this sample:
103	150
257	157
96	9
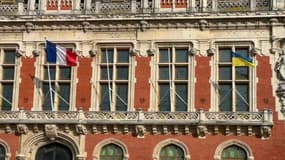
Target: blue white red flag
60	55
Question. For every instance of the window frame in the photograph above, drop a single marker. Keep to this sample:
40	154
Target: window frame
39	80
215	77
155	100
96	76
16	79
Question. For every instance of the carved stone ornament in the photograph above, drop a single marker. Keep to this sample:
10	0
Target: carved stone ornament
81	129
202	131
22	129
51	131
265	132
29	27
280	75
140	131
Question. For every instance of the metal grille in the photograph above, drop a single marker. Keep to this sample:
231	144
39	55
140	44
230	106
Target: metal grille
233	5
262	4
113	8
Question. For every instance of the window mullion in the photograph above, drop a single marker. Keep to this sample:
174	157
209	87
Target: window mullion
113	81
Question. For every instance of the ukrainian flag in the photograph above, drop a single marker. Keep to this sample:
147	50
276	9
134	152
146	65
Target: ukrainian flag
240	60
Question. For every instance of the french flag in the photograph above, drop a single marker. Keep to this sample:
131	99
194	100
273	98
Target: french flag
60	55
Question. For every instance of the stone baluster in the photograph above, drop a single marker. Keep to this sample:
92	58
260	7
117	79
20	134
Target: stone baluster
31	7
20	7
87	5
252	5
133	6
76	6
42	5
277	4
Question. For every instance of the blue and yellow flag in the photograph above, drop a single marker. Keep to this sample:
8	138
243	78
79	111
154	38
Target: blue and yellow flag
240	60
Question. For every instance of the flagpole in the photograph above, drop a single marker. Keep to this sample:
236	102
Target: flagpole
49	81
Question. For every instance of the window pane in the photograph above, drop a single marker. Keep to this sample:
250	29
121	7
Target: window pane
242	51
9	57
122	73
104	100
46	105
164	97
51	71
165	55
2	153
234	152
164	73
122	97
181	55
181	97
8	73
65	73
225	55
123	55
64	92
225	97
242	73
107	53
7	93
171	152
225	73
104	73
111	152
181	73
242	97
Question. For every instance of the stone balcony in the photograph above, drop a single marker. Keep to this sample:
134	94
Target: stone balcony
198	123
111	7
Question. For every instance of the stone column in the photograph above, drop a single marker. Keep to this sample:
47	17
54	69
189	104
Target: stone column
193	5
98	6
145	5
156	5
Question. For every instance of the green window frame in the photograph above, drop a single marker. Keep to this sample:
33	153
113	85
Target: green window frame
111	152
234	152
171	152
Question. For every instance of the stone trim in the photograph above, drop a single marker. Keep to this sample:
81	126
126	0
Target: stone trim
7	149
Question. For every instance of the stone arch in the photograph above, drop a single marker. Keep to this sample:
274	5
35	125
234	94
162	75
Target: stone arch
31	145
98	147
166	142
7	149
222	146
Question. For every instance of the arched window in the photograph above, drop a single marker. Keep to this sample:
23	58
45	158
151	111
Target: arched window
234	152
54	151
2	152
111	152
171	152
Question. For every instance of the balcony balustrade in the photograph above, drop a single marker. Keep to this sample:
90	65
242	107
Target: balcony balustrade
138	117
135	6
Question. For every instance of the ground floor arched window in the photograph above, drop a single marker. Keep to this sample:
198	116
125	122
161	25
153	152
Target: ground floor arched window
111	152
171	152
54	151
234	152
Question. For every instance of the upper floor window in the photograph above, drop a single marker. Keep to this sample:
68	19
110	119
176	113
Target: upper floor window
111	151
234	86
9	78
56	84
174	78
115	74
2	153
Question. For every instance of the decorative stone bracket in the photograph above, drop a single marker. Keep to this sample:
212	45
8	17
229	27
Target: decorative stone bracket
51	131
